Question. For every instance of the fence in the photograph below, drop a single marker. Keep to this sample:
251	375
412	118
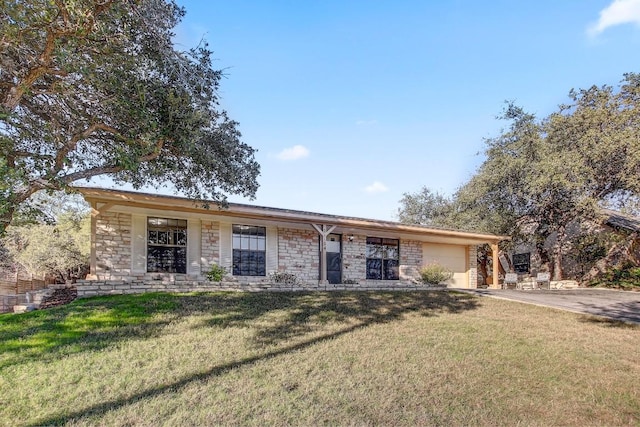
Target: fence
14	286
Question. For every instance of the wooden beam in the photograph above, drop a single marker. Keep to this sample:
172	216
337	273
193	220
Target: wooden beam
95	211
92	256
323	231
495	265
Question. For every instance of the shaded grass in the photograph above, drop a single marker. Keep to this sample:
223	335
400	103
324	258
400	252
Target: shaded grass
346	358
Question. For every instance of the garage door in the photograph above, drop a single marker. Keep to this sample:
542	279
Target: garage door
453	257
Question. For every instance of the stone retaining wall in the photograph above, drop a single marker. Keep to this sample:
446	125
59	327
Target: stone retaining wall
88	288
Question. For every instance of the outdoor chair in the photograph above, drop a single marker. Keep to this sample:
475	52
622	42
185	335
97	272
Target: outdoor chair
510	281
543	281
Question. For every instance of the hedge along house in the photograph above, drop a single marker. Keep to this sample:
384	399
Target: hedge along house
148	240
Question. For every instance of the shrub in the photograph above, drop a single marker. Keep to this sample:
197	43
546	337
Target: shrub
625	277
216	273
434	274
283	277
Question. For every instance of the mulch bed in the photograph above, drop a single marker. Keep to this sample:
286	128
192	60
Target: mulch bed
60	297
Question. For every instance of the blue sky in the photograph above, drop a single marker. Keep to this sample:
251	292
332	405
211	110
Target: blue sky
350	104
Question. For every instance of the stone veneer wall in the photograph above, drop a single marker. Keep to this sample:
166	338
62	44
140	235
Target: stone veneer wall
410	259
113	245
299	253
473	266
210	245
87	288
354	259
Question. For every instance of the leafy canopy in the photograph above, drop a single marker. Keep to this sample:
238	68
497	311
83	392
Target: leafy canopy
93	87
58	244
540	175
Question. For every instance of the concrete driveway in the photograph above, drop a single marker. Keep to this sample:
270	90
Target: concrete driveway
616	305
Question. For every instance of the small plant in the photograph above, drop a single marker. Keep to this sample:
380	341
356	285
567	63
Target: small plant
216	273
283	278
434	274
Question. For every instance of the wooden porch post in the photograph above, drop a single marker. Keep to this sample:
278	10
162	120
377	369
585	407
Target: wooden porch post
323	231
92	259
495	265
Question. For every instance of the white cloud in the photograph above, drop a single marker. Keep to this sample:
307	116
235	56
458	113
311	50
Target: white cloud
366	122
617	13
294	153
376	187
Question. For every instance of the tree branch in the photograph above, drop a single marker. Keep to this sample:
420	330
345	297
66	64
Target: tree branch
89	173
73	142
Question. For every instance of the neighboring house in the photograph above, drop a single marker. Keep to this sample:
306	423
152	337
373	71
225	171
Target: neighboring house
590	242
142	238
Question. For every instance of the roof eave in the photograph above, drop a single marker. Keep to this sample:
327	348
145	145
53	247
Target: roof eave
130	198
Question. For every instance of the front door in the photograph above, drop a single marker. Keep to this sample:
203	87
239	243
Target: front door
334	258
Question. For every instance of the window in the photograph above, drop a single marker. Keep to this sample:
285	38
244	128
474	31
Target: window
166	245
249	250
522	262
383	257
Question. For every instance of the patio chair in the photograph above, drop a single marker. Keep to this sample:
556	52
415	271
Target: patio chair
543	281
510	281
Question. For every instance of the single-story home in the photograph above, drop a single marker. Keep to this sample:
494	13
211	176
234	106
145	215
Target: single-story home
149	239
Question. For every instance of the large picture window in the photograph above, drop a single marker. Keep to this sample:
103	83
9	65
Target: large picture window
383	258
166	245
249	250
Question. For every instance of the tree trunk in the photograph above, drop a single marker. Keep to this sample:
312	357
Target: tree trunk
561	237
482	263
6	217
542	253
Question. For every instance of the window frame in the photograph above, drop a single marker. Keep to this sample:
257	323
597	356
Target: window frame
166	254
522	259
248	250
388	267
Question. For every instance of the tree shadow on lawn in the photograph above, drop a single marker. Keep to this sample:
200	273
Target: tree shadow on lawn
84	325
300	311
298	314
618	315
97	323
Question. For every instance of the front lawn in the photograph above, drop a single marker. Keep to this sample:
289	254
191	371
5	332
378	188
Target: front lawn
340	358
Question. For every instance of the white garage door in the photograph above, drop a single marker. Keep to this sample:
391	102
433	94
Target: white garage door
453	257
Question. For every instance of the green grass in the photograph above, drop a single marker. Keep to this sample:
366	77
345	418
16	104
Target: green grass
422	358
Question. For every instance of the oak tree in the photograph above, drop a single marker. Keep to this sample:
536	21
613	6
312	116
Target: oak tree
97	87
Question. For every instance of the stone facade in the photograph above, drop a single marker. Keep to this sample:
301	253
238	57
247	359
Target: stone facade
354	259
472	252
298	253
410	259
88	288
210	245
113	245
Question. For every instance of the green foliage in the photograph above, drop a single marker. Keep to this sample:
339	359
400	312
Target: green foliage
435	274
425	208
61	249
283	277
91	87
216	273
541	175
625	277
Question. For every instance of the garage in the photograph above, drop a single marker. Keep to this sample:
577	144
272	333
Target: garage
452	257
